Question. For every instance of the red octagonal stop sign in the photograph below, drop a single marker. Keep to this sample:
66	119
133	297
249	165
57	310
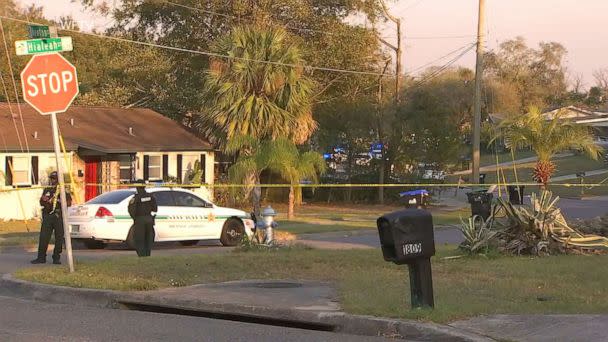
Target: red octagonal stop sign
49	83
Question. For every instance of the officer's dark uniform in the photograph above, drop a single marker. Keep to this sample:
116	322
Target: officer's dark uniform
141	207
51	222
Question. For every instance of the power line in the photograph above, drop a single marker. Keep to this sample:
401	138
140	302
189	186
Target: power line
249	19
441	69
441	37
239	18
208	53
440	58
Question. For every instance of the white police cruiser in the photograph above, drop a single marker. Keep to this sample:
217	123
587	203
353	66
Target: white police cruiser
182	216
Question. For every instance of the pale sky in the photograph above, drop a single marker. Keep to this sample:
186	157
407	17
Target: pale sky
580	25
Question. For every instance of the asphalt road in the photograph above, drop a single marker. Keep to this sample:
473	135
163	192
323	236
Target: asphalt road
370	237
22	320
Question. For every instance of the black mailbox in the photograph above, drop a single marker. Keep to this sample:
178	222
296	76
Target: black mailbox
406	237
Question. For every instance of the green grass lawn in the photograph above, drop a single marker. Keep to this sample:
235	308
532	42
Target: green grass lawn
318	218
367	285
16	233
490	159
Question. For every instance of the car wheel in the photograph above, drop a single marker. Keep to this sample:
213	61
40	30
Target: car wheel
232	233
188	243
94	244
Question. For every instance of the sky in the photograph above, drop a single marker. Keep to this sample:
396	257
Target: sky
579	25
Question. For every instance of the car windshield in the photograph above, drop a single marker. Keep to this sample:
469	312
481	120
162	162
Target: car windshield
113	197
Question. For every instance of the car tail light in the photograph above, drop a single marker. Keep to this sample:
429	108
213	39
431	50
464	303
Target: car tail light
103	212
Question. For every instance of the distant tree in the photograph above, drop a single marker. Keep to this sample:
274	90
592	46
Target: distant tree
547	138
537	75
435	115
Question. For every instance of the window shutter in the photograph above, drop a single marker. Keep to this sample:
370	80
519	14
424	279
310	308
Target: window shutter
34	170
179	168
203	168
8	174
146	168
165	175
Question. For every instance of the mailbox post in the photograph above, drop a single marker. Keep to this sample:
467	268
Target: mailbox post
407	238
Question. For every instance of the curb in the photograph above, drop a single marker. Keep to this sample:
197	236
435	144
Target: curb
335	321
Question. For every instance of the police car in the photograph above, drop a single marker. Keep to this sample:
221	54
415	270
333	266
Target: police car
182	216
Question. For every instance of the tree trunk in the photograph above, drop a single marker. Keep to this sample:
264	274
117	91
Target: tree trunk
256	196
291	204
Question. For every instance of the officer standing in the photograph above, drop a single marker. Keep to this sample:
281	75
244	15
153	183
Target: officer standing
141	207
51	221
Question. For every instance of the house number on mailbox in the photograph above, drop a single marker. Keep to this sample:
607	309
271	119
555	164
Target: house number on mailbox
412	248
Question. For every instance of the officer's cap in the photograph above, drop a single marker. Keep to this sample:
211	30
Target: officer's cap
139	183
53	175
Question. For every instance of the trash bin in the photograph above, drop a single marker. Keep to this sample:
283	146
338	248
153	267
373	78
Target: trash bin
415	198
515	196
481	203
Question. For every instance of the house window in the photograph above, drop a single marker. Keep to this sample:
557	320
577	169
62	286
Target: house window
21	171
126	169
155	167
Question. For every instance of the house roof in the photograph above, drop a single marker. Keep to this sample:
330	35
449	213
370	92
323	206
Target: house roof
578	115
101	129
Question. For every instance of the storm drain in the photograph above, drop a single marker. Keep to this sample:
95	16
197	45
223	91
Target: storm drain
135	306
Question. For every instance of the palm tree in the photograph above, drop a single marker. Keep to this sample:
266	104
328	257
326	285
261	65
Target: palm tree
547	137
261	100
280	156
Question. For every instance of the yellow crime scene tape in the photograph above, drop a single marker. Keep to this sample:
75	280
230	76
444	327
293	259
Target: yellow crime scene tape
319	185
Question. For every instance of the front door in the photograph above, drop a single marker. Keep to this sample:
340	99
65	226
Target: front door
91	178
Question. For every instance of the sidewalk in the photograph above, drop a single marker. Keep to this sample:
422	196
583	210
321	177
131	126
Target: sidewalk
308	305
539	328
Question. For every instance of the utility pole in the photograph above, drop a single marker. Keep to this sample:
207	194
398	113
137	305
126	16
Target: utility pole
398	51
477	106
380	124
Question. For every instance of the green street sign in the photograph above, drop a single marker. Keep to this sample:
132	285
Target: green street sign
40	31
35	46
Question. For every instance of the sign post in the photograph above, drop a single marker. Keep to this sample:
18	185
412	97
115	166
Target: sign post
50	84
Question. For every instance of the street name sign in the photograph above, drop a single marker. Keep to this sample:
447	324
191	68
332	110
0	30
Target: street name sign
34	46
42	31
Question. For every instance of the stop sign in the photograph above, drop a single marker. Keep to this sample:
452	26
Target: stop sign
49	83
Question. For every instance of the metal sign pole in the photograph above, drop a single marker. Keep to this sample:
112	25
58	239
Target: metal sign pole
64	205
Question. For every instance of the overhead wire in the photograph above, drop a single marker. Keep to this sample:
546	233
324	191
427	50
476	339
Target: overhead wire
438	59
302	29
208	53
442	68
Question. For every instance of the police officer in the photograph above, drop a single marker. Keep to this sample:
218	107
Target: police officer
141	207
51	221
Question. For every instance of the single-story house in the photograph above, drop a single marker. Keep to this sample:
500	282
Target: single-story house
104	148
597	120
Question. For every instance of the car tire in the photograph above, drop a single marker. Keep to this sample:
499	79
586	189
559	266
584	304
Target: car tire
233	232
94	244
189	243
